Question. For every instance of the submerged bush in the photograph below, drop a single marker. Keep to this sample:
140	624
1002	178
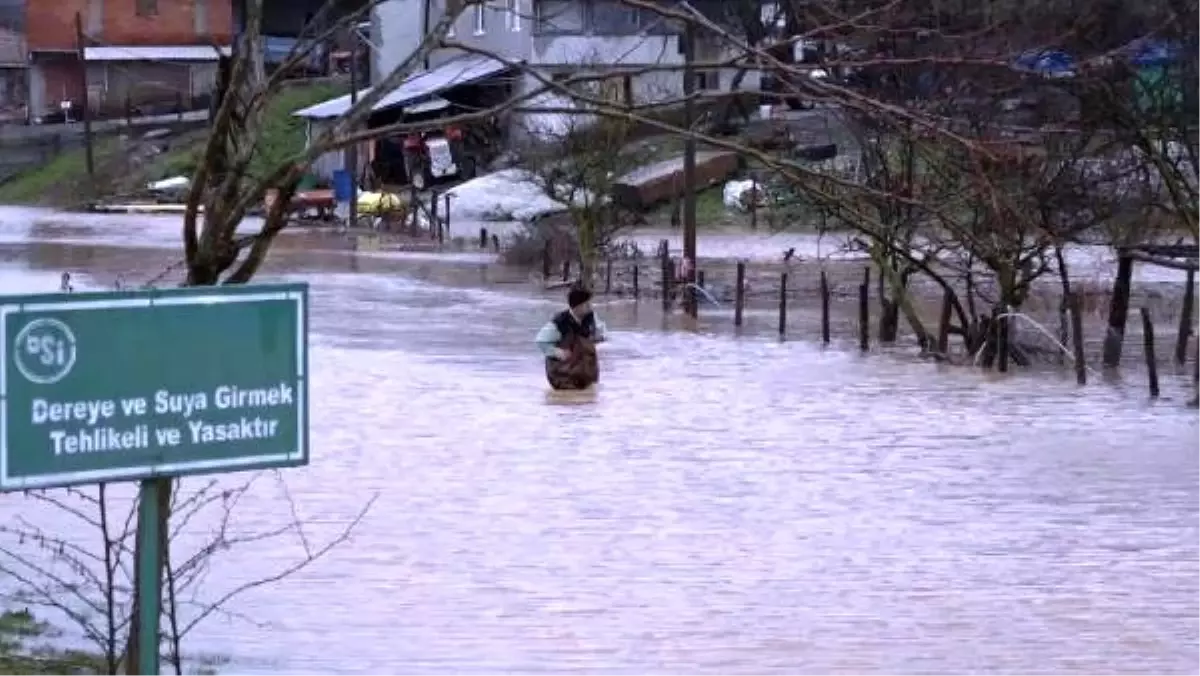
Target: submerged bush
24	649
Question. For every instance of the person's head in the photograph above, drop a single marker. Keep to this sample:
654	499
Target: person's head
579	300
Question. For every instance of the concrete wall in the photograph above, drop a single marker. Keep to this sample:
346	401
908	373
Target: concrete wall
501	34
326	164
12	46
396	31
398	27
634	51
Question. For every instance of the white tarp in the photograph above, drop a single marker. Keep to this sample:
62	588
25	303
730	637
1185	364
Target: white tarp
508	195
739	195
557	122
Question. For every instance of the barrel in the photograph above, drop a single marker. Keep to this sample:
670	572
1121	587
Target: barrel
342	185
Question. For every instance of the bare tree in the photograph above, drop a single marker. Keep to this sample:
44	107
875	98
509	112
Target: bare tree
967	178
579	160
59	569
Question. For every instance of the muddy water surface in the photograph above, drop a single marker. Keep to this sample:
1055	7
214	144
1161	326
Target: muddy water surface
722	504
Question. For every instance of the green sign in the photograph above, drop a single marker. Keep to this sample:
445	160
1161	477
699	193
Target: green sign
133	385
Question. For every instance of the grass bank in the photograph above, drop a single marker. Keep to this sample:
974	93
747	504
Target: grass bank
281	138
125	165
710	210
62	176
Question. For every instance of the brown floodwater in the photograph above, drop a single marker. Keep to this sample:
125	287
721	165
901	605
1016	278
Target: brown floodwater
722	504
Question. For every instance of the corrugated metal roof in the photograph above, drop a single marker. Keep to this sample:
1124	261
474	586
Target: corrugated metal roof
460	71
427	106
155	53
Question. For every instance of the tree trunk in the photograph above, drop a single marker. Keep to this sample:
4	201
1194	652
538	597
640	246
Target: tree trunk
903	304
1118	309
891	286
889	309
733	104
587	247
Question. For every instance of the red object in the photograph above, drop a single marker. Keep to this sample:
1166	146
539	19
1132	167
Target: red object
454	133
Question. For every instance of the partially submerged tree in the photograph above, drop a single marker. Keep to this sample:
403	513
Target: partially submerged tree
578	161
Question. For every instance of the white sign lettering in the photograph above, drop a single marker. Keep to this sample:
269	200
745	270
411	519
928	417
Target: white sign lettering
164	419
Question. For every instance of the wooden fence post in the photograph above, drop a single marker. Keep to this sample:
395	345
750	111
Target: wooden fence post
783	304
1148	348
824	308
739	293
1077	338
864	312
1185	319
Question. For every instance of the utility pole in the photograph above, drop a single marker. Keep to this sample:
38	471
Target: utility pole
81	52
351	155
689	170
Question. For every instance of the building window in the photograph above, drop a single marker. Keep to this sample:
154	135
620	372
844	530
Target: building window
560	16
612	17
708	80
147	7
480	19
514	15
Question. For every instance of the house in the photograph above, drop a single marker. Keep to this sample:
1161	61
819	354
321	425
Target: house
144	53
554	38
558	37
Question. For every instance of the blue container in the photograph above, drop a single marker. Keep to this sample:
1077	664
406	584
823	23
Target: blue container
342	185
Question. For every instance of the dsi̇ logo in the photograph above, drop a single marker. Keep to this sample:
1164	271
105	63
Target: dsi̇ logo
45	351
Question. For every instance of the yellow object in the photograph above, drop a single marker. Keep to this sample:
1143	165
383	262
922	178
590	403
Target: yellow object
377	203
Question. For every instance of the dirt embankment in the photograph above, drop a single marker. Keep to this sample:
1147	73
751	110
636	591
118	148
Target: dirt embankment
123	165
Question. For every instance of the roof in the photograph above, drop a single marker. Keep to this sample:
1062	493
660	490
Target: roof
460	71
155	53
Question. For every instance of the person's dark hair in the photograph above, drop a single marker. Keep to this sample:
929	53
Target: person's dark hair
577	296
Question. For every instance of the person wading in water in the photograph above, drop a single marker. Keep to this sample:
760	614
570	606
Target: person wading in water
568	341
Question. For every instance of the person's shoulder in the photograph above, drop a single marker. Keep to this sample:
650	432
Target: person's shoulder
561	316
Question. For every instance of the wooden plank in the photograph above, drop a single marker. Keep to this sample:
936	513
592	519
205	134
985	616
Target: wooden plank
663	181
